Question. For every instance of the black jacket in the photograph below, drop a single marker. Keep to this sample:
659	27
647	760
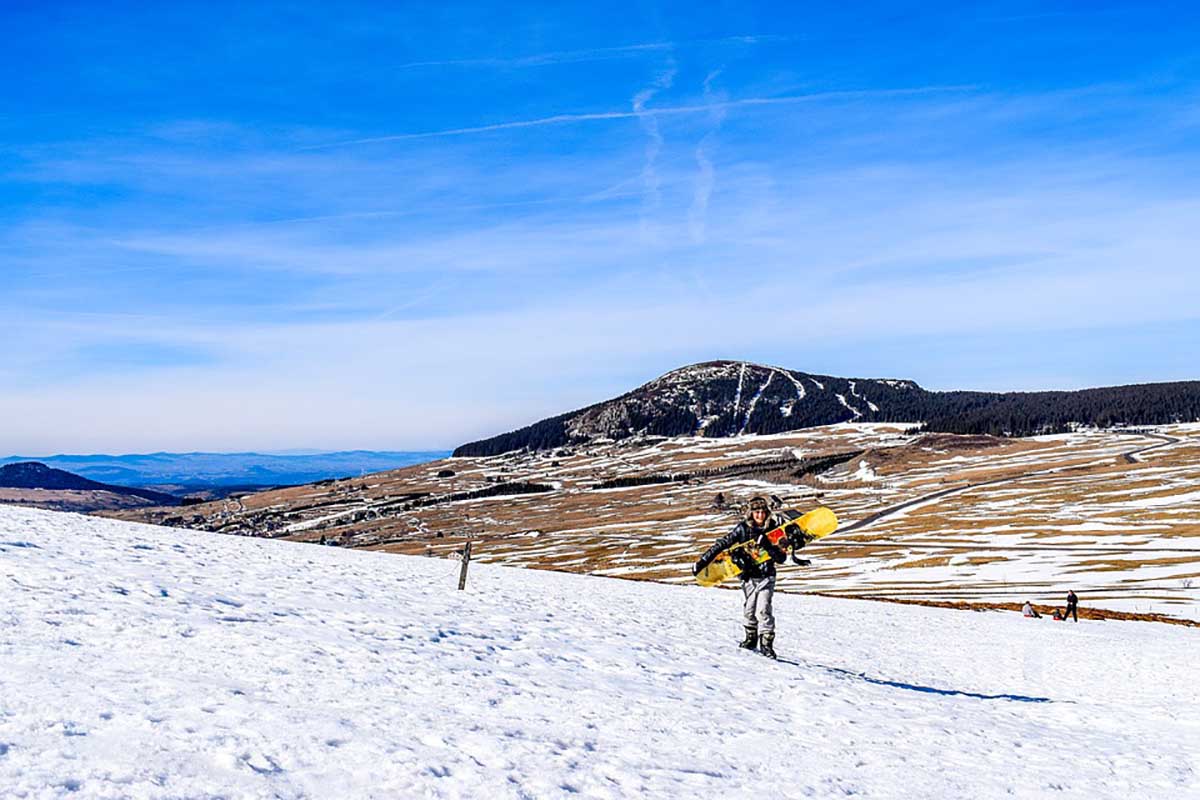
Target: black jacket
746	532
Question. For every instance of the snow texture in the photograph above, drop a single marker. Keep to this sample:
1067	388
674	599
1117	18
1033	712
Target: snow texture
143	662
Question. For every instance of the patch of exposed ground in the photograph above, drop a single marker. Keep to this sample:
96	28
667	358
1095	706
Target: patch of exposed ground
1051	513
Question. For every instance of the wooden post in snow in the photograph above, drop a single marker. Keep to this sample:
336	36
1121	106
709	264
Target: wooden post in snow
466	559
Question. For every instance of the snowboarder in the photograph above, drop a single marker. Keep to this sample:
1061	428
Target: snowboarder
758	580
1072	606
1029	611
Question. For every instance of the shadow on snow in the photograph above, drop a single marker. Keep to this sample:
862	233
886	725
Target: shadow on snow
916	687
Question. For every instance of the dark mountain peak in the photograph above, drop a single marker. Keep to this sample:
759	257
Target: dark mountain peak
731	398
713	399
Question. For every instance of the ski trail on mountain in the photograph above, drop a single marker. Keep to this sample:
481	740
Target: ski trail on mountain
754	401
854	393
737	398
800	390
842	399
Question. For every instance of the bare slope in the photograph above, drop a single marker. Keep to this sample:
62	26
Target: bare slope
1025	518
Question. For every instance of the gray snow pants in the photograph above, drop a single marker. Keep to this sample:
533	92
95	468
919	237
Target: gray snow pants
756	610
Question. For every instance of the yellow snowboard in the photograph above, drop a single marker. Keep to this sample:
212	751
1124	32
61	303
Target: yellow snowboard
816	524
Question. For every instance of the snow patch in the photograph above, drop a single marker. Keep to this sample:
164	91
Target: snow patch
853	410
864	472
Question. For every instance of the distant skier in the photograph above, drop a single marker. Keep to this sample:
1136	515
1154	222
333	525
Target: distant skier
758	580
1029	611
1072	606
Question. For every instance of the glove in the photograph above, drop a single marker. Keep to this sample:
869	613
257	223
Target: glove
697	567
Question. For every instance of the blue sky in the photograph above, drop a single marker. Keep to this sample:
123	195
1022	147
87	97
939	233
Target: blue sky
391	226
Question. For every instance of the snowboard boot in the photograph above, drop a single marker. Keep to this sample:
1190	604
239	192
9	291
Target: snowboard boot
766	645
751	639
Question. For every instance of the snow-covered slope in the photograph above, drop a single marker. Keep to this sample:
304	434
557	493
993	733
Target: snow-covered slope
148	662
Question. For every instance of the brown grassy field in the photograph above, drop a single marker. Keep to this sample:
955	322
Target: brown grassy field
1053	513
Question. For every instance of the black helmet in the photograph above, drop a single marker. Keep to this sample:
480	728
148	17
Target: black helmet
758	502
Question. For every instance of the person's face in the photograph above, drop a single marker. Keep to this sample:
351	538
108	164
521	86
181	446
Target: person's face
759	515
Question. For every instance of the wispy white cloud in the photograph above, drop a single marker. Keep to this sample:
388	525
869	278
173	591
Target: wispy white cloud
651	200
583	341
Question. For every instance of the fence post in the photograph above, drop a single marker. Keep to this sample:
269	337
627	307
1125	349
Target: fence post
466	559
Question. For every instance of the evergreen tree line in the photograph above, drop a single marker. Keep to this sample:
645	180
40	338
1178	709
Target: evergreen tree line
1032	413
491	491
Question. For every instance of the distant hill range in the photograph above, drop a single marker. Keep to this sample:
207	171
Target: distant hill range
35	475
189	473
727	398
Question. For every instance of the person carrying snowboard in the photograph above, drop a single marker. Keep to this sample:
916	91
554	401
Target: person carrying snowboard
758	580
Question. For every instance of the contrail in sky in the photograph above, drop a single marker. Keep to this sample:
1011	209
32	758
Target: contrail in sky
706	174
703	108
591	54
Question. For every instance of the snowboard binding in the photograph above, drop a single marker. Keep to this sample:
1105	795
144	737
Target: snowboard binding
797	539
